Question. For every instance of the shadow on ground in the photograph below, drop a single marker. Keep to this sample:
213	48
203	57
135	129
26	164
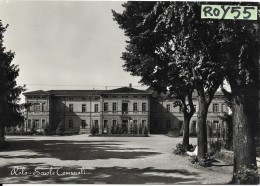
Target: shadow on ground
102	175
75	150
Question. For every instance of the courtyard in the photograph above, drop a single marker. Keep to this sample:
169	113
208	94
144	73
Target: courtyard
103	160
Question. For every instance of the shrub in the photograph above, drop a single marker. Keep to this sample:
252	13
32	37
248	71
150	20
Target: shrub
94	130
179	150
33	129
60	129
47	129
214	147
204	162
248	176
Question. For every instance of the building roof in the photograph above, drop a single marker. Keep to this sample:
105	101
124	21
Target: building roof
74	92
126	90
122	90
37	92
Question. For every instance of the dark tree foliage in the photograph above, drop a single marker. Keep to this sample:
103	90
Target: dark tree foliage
10	109
173	50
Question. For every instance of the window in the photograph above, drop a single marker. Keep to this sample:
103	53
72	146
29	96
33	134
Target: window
36	123
114	96
83	107
83	98
114	123
195	107
29	123
135	107
70	107
215	107
114	107
168	124
215	125
43	123
96	98
36	107
143	123
135	96
96	123
83	124
168	108
43	107
70	98
105	107
135	122
105	126
180	108
96	107
70	123
143	107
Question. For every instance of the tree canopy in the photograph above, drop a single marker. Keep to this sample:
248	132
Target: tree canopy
11	110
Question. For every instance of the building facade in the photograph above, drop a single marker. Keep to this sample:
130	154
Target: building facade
79	110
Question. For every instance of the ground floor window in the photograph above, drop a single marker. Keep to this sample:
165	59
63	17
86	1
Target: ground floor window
29	123
43	123
105	126
114	123
168	124
70	123
83	124
96	123
37	123
143	123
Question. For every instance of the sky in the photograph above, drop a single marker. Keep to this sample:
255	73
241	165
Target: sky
66	45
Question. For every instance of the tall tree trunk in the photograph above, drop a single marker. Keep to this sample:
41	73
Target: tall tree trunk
186	132
244	116
202	128
2	135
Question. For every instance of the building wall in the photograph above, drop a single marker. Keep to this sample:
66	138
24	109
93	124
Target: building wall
38	113
160	116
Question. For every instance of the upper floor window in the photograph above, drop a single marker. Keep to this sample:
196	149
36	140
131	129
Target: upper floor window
114	107
83	98
195	107
70	107
135	107
83	107
70	98
105	107
96	108
43	107
168	108
215	107
96	98
36	107
143	107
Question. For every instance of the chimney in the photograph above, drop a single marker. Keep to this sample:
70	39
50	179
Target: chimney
130	85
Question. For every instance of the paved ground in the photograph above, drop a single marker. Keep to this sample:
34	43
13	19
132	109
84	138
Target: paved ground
128	160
